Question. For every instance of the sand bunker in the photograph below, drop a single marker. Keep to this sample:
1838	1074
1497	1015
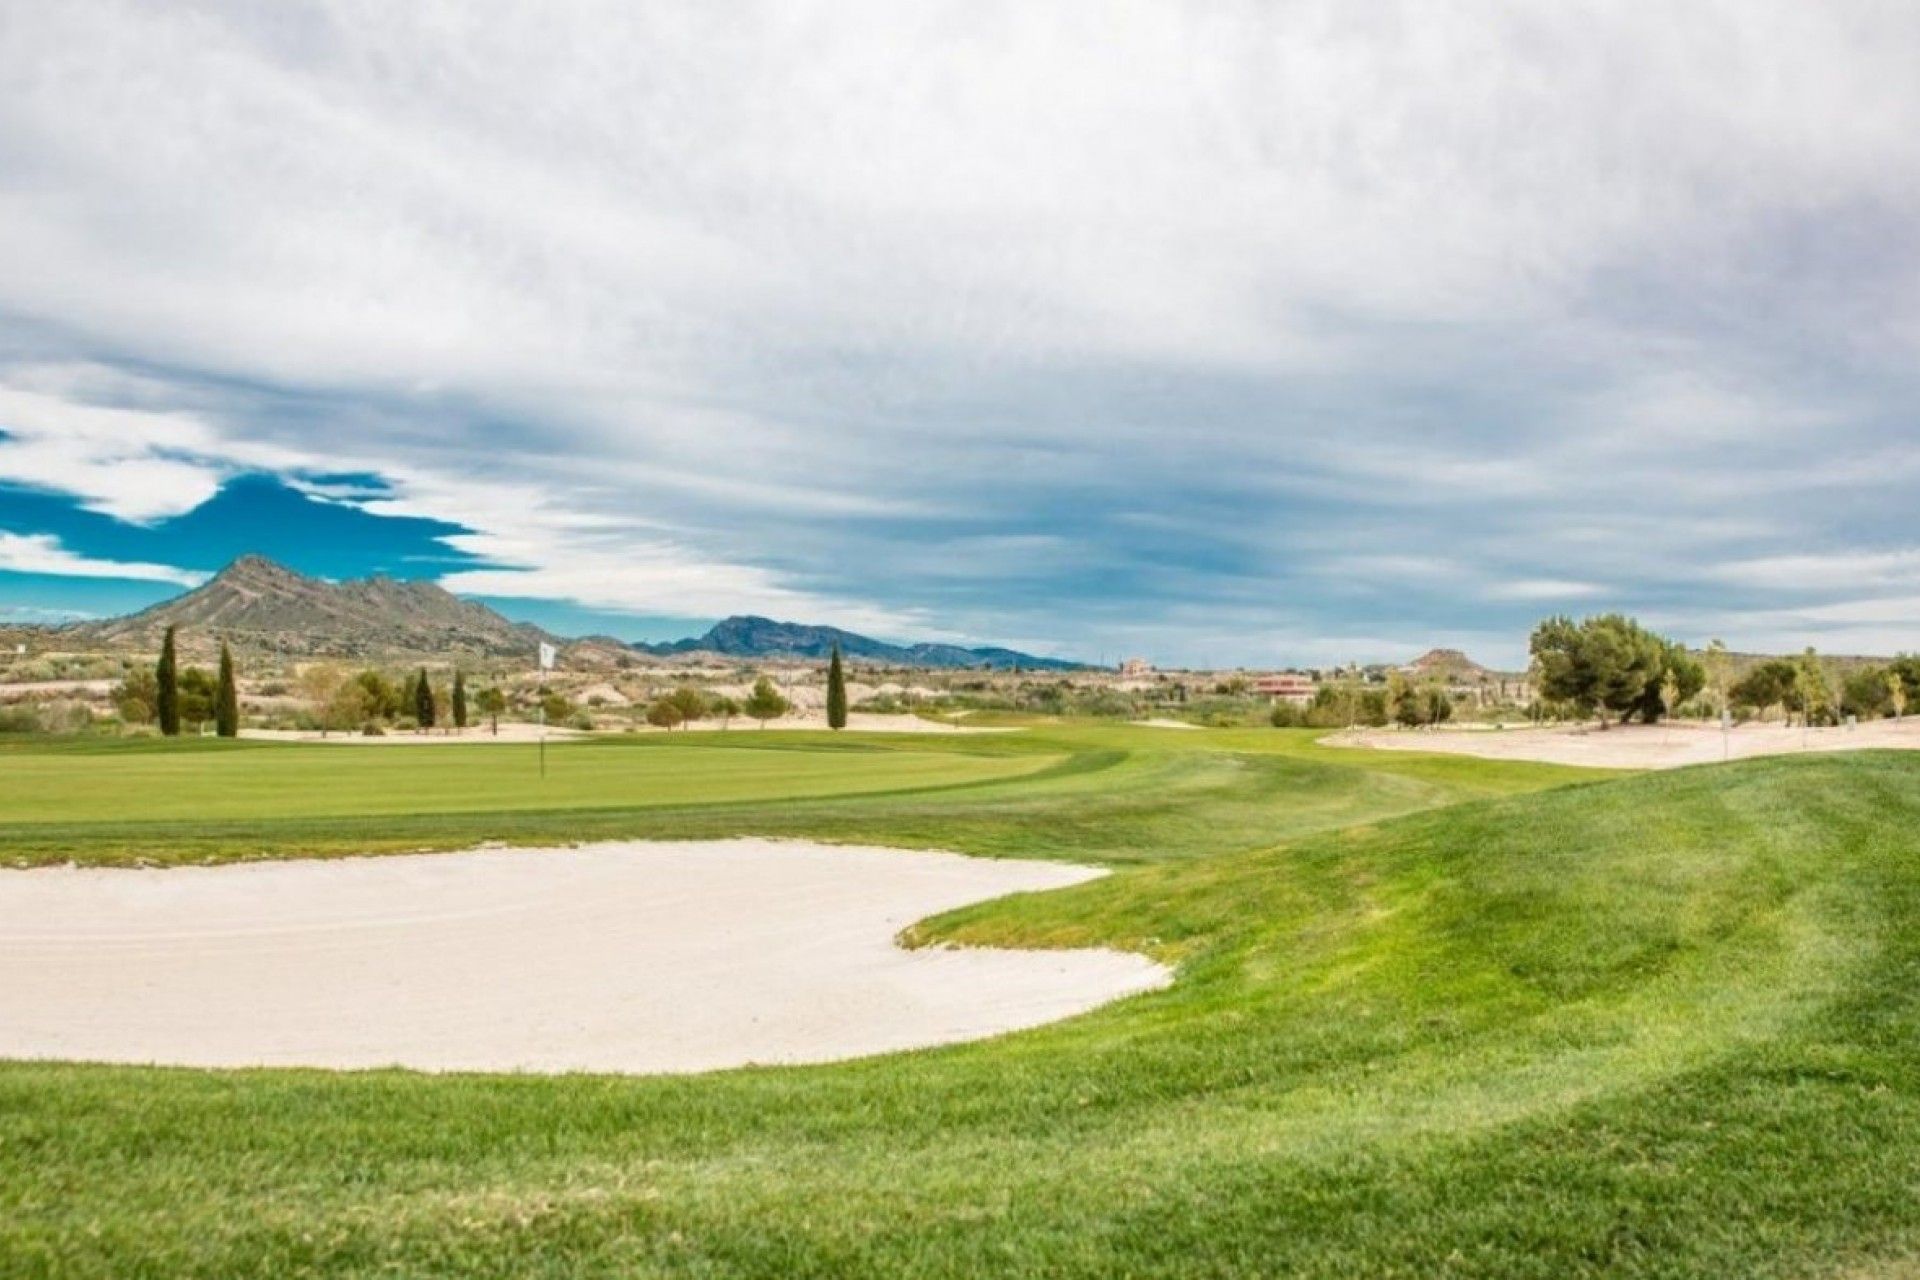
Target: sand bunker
1663	746
633	957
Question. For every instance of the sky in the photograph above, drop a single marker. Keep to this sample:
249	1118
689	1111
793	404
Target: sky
1214	333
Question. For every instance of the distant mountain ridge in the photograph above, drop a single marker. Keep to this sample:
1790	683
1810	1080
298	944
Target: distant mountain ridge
259	604
747	636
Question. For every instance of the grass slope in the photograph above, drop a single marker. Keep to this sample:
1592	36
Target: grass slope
1664	1025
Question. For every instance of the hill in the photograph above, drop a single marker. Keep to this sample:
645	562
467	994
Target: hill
1448	664
261	605
754	637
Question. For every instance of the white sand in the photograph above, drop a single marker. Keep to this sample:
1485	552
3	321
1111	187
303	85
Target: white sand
634	957
1635	746
1163	722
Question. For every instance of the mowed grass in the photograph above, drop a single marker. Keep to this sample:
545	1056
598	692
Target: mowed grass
1110	794
1660	1025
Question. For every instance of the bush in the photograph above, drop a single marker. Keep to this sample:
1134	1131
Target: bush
1285	715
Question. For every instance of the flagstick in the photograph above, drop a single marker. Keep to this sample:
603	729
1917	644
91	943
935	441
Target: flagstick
547	657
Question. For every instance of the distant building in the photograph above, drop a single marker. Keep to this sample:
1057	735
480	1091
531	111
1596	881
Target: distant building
1289	686
1135	668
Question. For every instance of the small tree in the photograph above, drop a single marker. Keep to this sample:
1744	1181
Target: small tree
348	707
1896	694
1670	694
1768	684
226	699
491	702
383	700
459	699
836	691
765	702
1400	700
665	714
423	700
691	702
724	707
136	696
1716	662
167	681
319	684
1811	687
198	693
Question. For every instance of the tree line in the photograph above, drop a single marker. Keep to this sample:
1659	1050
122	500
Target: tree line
172	697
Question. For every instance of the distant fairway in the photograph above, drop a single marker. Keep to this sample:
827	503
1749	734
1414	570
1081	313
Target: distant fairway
215	781
1433	1017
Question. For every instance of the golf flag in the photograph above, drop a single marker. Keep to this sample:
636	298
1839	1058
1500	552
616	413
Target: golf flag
547	656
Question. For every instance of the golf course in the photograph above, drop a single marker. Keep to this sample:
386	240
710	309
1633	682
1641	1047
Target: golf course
1430	1015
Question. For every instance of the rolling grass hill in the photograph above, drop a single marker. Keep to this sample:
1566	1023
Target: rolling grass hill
1433	1018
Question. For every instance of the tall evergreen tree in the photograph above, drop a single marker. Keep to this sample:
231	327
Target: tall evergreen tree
459	699
226	702
836	692
167	677
423	700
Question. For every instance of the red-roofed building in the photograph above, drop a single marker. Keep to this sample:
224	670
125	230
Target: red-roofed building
1286	687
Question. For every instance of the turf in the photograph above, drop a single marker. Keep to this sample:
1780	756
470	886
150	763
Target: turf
1451	1021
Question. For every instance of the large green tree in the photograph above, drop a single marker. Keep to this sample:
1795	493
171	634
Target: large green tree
459	699
166	676
226	699
836	692
1612	664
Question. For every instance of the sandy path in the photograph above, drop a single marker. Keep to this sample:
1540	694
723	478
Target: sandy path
1637	746
632	957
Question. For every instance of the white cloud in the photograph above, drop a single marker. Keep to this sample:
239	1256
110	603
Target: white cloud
1544	589
134	464
682	309
43	553
1837	571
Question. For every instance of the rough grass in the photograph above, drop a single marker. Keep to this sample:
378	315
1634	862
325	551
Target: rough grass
1662	1025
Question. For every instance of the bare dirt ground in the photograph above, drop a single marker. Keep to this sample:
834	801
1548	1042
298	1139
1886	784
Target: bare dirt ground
626	957
1663	746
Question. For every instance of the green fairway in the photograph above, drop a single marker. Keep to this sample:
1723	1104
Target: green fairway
216	781
1112	794
1433	1017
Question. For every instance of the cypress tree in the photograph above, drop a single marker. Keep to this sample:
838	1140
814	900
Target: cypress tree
459	699
423	700
167	676
836	692
226	702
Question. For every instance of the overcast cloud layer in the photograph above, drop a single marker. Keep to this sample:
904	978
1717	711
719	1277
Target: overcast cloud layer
1223	334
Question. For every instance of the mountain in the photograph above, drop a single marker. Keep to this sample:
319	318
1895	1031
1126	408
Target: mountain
751	637
260	605
1450	665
